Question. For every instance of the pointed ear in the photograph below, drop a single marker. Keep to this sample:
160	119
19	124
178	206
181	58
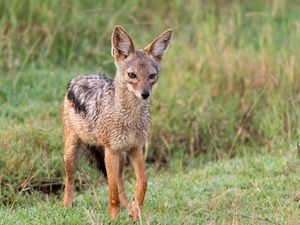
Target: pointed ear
122	44
158	47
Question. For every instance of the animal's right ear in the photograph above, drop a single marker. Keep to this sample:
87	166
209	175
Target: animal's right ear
121	42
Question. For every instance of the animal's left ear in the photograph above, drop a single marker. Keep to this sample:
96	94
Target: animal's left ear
158	47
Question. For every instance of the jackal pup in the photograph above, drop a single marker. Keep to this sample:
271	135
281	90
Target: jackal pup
109	119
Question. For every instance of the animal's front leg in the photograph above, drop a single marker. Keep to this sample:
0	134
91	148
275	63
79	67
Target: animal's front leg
112	168
137	161
121	184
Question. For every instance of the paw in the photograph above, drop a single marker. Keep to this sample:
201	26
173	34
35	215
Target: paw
68	203
68	200
114	212
134	211
114	208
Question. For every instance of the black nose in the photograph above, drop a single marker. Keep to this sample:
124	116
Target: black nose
145	94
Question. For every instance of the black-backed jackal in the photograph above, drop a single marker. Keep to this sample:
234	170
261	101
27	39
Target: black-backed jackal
109	119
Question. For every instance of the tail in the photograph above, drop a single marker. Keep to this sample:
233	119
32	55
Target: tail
95	155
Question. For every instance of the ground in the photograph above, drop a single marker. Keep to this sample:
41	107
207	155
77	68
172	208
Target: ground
249	190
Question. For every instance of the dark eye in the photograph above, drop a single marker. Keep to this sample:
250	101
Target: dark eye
131	75
152	76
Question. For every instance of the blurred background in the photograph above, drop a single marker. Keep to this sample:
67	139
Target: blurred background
229	84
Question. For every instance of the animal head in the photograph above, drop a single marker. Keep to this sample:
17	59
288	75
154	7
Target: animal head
138	69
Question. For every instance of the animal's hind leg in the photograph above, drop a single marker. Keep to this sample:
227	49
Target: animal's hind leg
70	156
121	184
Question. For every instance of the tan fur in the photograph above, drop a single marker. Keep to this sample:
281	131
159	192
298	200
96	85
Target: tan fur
116	115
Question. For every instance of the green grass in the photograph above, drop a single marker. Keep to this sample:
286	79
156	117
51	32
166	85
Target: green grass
250	190
228	94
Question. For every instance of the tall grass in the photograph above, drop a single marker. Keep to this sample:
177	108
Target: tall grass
229	82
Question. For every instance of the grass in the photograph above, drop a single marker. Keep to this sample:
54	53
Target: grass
248	190
228	94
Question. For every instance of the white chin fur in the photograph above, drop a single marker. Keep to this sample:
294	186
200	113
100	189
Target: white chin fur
137	94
